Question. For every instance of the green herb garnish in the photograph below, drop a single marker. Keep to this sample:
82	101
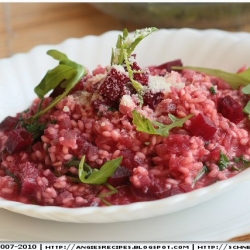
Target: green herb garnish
212	90
125	45
112	189
223	162
97	176
67	74
204	170
234	79
241	159
246	109
145	125
36	129
246	90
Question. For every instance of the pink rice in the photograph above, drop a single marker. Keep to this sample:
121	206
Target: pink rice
160	166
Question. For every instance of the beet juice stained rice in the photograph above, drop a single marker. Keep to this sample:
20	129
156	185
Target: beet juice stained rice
123	134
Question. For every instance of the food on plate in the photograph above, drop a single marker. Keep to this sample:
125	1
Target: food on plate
122	133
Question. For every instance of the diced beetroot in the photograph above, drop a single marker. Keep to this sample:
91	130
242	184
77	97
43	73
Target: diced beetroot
174	143
160	190
120	177
140	77
231	109
101	105
214	155
49	175
85	148
8	123
113	85
129	160
18	140
82	146
202	126
168	65
182	188
152	100
8	183
28	179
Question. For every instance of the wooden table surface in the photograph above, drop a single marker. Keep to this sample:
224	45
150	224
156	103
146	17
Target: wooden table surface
25	25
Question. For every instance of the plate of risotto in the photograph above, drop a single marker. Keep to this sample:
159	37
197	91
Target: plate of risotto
125	127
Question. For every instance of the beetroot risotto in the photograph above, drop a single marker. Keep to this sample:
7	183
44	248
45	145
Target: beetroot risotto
123	134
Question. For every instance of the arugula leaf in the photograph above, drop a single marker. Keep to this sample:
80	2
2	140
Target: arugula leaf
235	80
246	89
97	176
143	124
126	44
223	162
246	109
67	73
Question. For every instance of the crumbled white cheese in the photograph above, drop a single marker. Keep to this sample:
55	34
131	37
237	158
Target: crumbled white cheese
66	109
96	78
158	84
82	97
163	84
127	100
119	68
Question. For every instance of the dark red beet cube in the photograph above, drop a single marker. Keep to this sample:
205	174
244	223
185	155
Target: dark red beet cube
168	65
8	123
120	177
152	99
18	140
230	109
28	180
174	143
182	188
140	76
113	85
202	126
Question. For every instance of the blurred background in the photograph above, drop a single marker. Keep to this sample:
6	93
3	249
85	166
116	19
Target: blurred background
24	25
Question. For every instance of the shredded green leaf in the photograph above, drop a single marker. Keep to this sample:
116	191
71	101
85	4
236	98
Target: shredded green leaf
241	159
112	189
67	73
224	162
36	129
200	174
145	125
98	176
234	79
212	90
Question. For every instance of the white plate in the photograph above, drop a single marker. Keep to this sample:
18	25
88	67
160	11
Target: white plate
199	215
